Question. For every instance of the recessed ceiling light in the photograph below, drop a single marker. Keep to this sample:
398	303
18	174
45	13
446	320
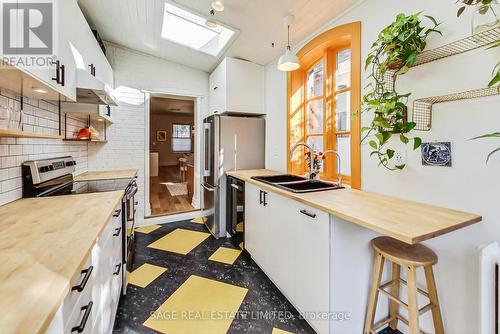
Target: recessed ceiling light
218	5
39	90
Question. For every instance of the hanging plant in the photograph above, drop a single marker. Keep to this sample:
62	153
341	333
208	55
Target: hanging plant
392	54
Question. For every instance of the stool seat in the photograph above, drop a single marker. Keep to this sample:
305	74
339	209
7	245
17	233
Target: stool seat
408	258
404	254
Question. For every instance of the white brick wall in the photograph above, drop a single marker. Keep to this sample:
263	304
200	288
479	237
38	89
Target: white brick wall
39	117
134	72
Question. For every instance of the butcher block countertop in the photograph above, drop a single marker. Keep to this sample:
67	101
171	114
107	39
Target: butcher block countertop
107	175
407	221
43	245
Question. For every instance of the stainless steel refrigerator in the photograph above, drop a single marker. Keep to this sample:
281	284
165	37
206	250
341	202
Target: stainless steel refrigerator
230	143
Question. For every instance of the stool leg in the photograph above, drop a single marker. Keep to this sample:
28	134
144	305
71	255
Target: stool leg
393	306
372	301
412	300
436	311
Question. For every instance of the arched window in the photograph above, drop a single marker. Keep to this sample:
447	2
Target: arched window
324	102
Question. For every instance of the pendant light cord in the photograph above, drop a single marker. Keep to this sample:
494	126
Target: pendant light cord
288	46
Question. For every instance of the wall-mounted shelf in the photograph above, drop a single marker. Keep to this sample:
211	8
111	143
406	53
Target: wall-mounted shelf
470	43
86	140
26	134
422	108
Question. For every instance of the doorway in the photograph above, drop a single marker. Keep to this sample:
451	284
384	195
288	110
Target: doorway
171	155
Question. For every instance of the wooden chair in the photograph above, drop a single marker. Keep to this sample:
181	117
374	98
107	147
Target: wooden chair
409	257
182	169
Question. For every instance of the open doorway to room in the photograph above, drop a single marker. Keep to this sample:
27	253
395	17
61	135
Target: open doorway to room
172	158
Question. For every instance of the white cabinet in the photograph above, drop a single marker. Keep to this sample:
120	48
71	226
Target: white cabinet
93	301
290	241
237	86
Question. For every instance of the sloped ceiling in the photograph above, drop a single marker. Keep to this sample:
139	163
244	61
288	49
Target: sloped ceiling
137	24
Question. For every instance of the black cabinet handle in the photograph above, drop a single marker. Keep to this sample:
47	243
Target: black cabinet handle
260	197
117	213
83	283
117	233
87	308
63	71
304	212
118	267
265	199
216	87
92	69
108	110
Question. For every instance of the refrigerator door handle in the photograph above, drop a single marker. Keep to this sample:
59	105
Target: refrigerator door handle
207	188
206	171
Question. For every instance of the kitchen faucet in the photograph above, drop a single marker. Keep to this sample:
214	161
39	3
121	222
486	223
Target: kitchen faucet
338	165
310	151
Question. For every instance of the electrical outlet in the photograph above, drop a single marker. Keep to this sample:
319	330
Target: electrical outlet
400	158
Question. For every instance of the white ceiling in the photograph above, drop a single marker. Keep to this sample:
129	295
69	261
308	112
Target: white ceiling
137	24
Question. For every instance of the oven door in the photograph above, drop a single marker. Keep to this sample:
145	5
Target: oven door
129	218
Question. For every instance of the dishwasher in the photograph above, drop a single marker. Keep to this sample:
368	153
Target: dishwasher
235	211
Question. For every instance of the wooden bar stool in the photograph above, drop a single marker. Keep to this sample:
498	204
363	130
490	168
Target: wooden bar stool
410	257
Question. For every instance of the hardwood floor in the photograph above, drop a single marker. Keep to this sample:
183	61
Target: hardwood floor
161	200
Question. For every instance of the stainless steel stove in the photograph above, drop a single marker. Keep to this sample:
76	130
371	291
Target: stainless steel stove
54	177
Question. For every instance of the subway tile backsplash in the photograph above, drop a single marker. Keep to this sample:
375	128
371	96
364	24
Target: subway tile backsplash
39	116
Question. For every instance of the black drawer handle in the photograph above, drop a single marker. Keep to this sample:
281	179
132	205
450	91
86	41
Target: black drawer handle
117	213
82	285
265	199
118	267
312	215
117	233
87	308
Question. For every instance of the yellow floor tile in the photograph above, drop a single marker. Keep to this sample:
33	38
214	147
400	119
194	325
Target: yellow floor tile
147	229
239	227
199	220
225	255
145	274
241	245
280	331
198	306
180	241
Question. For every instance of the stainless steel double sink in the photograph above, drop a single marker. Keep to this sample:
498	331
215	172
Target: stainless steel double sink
296	184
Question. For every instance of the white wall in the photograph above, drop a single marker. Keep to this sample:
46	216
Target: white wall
135	73
470	185
40	117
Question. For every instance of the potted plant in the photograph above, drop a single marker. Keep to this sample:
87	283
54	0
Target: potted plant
392	54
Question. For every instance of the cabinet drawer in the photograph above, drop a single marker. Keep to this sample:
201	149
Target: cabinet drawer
83	315
80	287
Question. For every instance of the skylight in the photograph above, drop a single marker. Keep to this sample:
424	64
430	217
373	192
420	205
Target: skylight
188	29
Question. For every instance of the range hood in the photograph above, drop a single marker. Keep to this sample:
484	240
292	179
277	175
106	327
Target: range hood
91	90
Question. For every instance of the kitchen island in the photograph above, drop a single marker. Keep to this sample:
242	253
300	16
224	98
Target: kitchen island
316	248
45	243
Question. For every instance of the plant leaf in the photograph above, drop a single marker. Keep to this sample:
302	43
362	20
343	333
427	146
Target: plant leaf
373	144
400	167
417	141
489	135
404	139
390	153
492	153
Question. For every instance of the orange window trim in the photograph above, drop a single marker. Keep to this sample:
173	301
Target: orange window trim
324	47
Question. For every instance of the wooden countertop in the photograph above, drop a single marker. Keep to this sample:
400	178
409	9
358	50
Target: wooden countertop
408	221
107	175
43	245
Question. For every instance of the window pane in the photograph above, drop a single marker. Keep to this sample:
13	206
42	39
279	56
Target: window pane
315	81
344	150
316	142
343	111
314	116
181	131
181	144
343	71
